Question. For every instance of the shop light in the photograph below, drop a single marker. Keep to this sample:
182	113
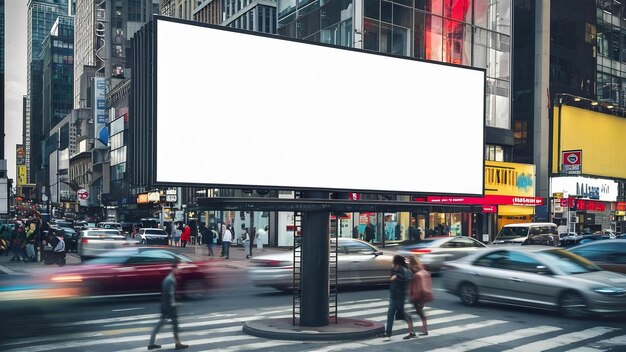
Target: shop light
609	107
594	103
577	99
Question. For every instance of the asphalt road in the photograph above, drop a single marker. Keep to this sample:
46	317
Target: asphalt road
123	324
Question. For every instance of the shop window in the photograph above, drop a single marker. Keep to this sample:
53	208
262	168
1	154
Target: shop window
494	152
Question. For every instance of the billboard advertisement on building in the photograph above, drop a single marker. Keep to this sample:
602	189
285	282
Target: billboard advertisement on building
599	137
307	106
22	175
99	111
20	154
513	179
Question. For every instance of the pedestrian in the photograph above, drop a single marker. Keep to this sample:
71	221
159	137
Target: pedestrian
400	277
413	233
184	238
260	238
227	237
168	309
17	237
246	240
59	248
176	235
207	237
31	234
370	233
420	290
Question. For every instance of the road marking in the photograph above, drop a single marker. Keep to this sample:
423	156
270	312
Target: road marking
127	309
384	342
497	339
194	342
109	320
617	341
257	345
563	340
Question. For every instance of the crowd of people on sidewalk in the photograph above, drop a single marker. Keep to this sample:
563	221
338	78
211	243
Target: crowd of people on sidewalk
30	237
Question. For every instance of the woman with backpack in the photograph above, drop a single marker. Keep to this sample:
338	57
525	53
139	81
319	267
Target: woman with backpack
420	290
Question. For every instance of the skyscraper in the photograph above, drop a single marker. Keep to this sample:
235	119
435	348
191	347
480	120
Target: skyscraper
41	16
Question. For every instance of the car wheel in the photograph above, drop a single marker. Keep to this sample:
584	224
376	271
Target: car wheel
144	242
469	294
573	305
195	289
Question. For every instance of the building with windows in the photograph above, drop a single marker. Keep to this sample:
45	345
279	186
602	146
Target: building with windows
577	52
253	15
179	8
42	15
209	11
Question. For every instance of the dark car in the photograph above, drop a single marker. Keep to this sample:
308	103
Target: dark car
138	270
608	254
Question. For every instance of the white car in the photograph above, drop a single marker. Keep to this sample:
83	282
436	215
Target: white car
153	236
96	241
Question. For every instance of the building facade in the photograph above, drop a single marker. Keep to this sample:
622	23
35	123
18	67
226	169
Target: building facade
42	15
209	11
179	8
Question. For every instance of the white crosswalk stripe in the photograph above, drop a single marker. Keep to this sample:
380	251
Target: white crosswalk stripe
223	332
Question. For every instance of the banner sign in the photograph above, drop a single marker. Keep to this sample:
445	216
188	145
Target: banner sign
572	162
488	200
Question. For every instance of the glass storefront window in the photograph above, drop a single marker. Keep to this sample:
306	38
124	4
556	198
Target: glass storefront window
457	47
419	35
433	41
432	6
370	35
445	224
459	10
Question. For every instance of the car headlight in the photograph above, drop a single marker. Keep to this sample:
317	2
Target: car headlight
610	291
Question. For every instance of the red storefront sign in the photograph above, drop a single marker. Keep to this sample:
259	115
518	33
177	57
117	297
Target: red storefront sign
621	206
488	200
490	209
590	205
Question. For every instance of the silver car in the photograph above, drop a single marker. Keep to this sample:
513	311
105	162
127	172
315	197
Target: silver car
95	242
358	263
434	251
153	236
544	277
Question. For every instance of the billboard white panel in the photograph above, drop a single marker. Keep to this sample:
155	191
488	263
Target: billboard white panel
586	187
286	114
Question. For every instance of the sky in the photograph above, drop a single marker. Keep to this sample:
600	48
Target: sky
15	30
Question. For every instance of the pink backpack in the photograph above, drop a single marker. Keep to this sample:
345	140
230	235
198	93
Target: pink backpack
421	287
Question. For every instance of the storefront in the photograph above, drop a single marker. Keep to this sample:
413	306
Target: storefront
590	203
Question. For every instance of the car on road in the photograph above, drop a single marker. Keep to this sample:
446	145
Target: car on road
608	254
137	270
95	242
534	233
569	239
535	276
149	236
434	251
358	263
110	225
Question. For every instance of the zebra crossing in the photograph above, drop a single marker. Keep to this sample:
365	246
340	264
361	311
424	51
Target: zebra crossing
448	331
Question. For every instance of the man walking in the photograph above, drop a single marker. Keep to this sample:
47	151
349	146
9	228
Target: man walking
226	239
168	309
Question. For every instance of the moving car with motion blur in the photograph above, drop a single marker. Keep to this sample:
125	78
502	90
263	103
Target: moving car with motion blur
534	276
534	233
434	251
358	263
110	225
138	271
95	242
608	254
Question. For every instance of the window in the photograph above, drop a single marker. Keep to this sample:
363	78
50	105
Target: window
493	260
494	152
151	257
522	262
603	252
358	248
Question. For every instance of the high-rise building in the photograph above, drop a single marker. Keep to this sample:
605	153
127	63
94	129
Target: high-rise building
179	8
209	11
577	53
57	58
2	79
42	14
253	15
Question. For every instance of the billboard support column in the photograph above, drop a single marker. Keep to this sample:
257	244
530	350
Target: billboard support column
315	252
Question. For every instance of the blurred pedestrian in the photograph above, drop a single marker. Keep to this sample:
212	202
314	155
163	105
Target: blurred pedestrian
176	235
227	237
420	290
184	238
400	277
261	234
169	309
246	240
370	233
59	248
31	234
17	238
207	237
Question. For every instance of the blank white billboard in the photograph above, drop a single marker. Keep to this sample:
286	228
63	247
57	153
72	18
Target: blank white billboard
238	110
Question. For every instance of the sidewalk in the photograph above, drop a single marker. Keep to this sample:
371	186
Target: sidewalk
237	258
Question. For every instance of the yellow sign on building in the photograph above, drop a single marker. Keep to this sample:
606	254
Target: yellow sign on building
509	179
22	175
599	136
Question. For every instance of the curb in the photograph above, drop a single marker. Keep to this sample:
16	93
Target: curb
346	330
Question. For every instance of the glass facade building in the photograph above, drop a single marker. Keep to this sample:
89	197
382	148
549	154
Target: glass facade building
42	14
466	32
252	15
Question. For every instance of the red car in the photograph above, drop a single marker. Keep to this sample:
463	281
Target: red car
138	271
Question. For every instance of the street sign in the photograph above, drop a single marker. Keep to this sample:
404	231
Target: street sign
171	198
571	162
82	194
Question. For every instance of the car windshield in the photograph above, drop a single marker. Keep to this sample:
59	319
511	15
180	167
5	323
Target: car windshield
155	232
568	262
509	233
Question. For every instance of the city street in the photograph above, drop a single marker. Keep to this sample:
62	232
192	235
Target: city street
215	323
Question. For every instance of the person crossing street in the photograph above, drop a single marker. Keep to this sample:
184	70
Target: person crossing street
169	309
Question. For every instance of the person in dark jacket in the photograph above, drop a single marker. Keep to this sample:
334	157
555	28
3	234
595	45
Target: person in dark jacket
400	276
168	309
370	233
207	237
